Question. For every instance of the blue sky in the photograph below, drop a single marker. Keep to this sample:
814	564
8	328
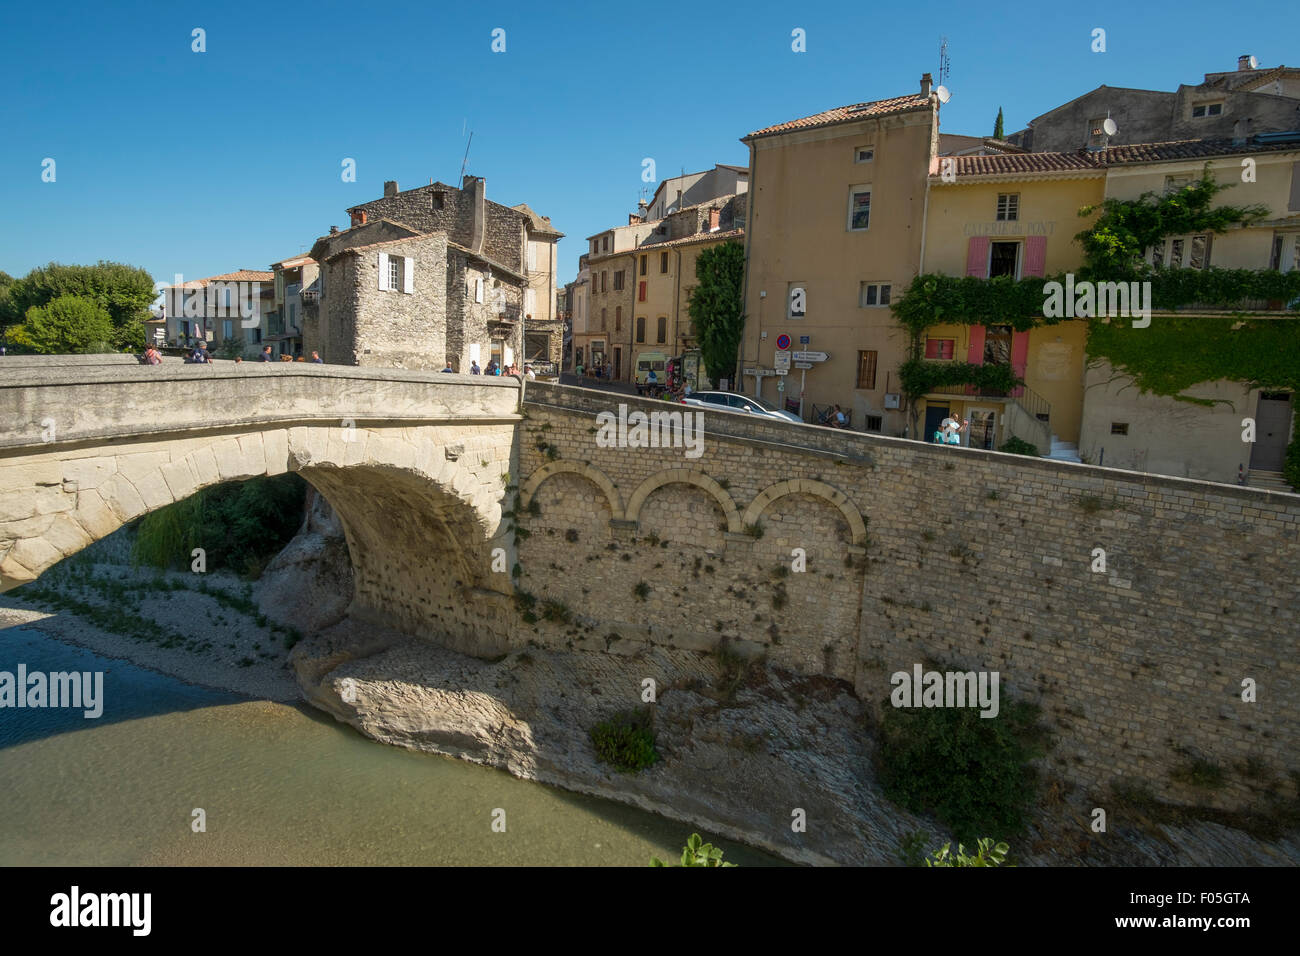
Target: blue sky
203	163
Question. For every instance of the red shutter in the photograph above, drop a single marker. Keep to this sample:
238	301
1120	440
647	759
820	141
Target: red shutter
641	293
1019	357
1035	256
975	354
977	260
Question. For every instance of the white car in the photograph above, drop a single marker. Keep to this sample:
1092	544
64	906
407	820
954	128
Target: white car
740	403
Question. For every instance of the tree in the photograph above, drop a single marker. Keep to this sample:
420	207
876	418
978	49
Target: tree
717	308
997	125
123	292
69	324
1114	244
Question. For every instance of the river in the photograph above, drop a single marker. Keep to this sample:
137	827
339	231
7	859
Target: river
279	785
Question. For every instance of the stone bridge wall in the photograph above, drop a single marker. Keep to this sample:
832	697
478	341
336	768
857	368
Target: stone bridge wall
970	559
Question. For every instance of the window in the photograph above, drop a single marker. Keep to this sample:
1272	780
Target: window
859	207
439	200
618	318
228	329
293	314
1207	109
866	369
640	292
532	257
1183	252
662	331
644	257
1285	256
602	320
640	328
1175	183
663	263
1119	428
618	281
1008	207
1003	259
864	154
604	281
606	243
478	289
875	423
595	246
394	272
943	349
796	301
873	294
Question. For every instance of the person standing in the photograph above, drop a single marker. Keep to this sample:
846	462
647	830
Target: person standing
151	356
316	359
266	355
473	367
529	373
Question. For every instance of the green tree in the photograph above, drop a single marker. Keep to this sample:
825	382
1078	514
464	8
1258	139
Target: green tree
1113	245
717	308
123	292
997	125
69	324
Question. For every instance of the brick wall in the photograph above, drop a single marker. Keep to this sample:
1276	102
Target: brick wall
970	560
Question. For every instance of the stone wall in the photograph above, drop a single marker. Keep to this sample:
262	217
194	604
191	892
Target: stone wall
503	227
973	560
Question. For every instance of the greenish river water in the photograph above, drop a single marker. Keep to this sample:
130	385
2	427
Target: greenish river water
280	785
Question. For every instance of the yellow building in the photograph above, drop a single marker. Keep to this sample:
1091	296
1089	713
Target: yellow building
1014	215
836	214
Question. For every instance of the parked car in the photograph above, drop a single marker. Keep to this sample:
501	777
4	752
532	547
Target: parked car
741	403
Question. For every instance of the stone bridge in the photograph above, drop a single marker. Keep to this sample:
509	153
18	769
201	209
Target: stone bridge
836	555
412	462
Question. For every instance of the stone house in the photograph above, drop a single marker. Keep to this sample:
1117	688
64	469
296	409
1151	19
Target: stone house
219	310
471	267
1235	104
694	189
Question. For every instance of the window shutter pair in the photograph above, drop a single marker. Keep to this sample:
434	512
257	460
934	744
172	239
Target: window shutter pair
408	274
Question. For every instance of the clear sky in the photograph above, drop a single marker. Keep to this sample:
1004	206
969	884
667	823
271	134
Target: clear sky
204	163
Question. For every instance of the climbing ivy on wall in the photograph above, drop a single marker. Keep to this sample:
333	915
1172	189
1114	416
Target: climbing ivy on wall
918	376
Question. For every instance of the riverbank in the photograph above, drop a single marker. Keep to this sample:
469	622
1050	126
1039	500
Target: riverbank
748	751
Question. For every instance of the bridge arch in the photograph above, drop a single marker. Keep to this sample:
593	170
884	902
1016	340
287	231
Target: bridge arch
421	522
818	489
581	468
685	476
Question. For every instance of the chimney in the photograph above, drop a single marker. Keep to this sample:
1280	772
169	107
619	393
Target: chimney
927	81
714	213
1243	62
474	186
390	188
359	218
334	230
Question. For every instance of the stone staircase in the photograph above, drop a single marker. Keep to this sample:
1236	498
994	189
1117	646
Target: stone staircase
1063	450
1272	480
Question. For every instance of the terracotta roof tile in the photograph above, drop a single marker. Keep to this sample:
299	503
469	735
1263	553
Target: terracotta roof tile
243	275
697	237
1006	163
1099	160
854	111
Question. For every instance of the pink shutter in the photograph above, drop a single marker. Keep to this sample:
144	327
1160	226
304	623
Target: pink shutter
977	260
1019	358
975	354
1035	256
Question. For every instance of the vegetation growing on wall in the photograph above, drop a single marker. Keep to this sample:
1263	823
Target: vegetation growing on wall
972	773
1170	355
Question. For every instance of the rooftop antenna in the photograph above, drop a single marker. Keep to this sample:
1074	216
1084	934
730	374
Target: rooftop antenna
945	66
465	161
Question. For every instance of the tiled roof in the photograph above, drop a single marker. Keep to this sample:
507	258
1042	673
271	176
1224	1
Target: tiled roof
294	261
1099	160
697	237
854	111
243	275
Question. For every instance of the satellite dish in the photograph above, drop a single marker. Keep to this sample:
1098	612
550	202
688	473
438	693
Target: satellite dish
1254	63
942	93
1109	126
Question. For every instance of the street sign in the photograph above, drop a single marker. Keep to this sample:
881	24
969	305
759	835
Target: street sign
805	339
759	372
810	356
781	371
783	341
803	365
782	359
